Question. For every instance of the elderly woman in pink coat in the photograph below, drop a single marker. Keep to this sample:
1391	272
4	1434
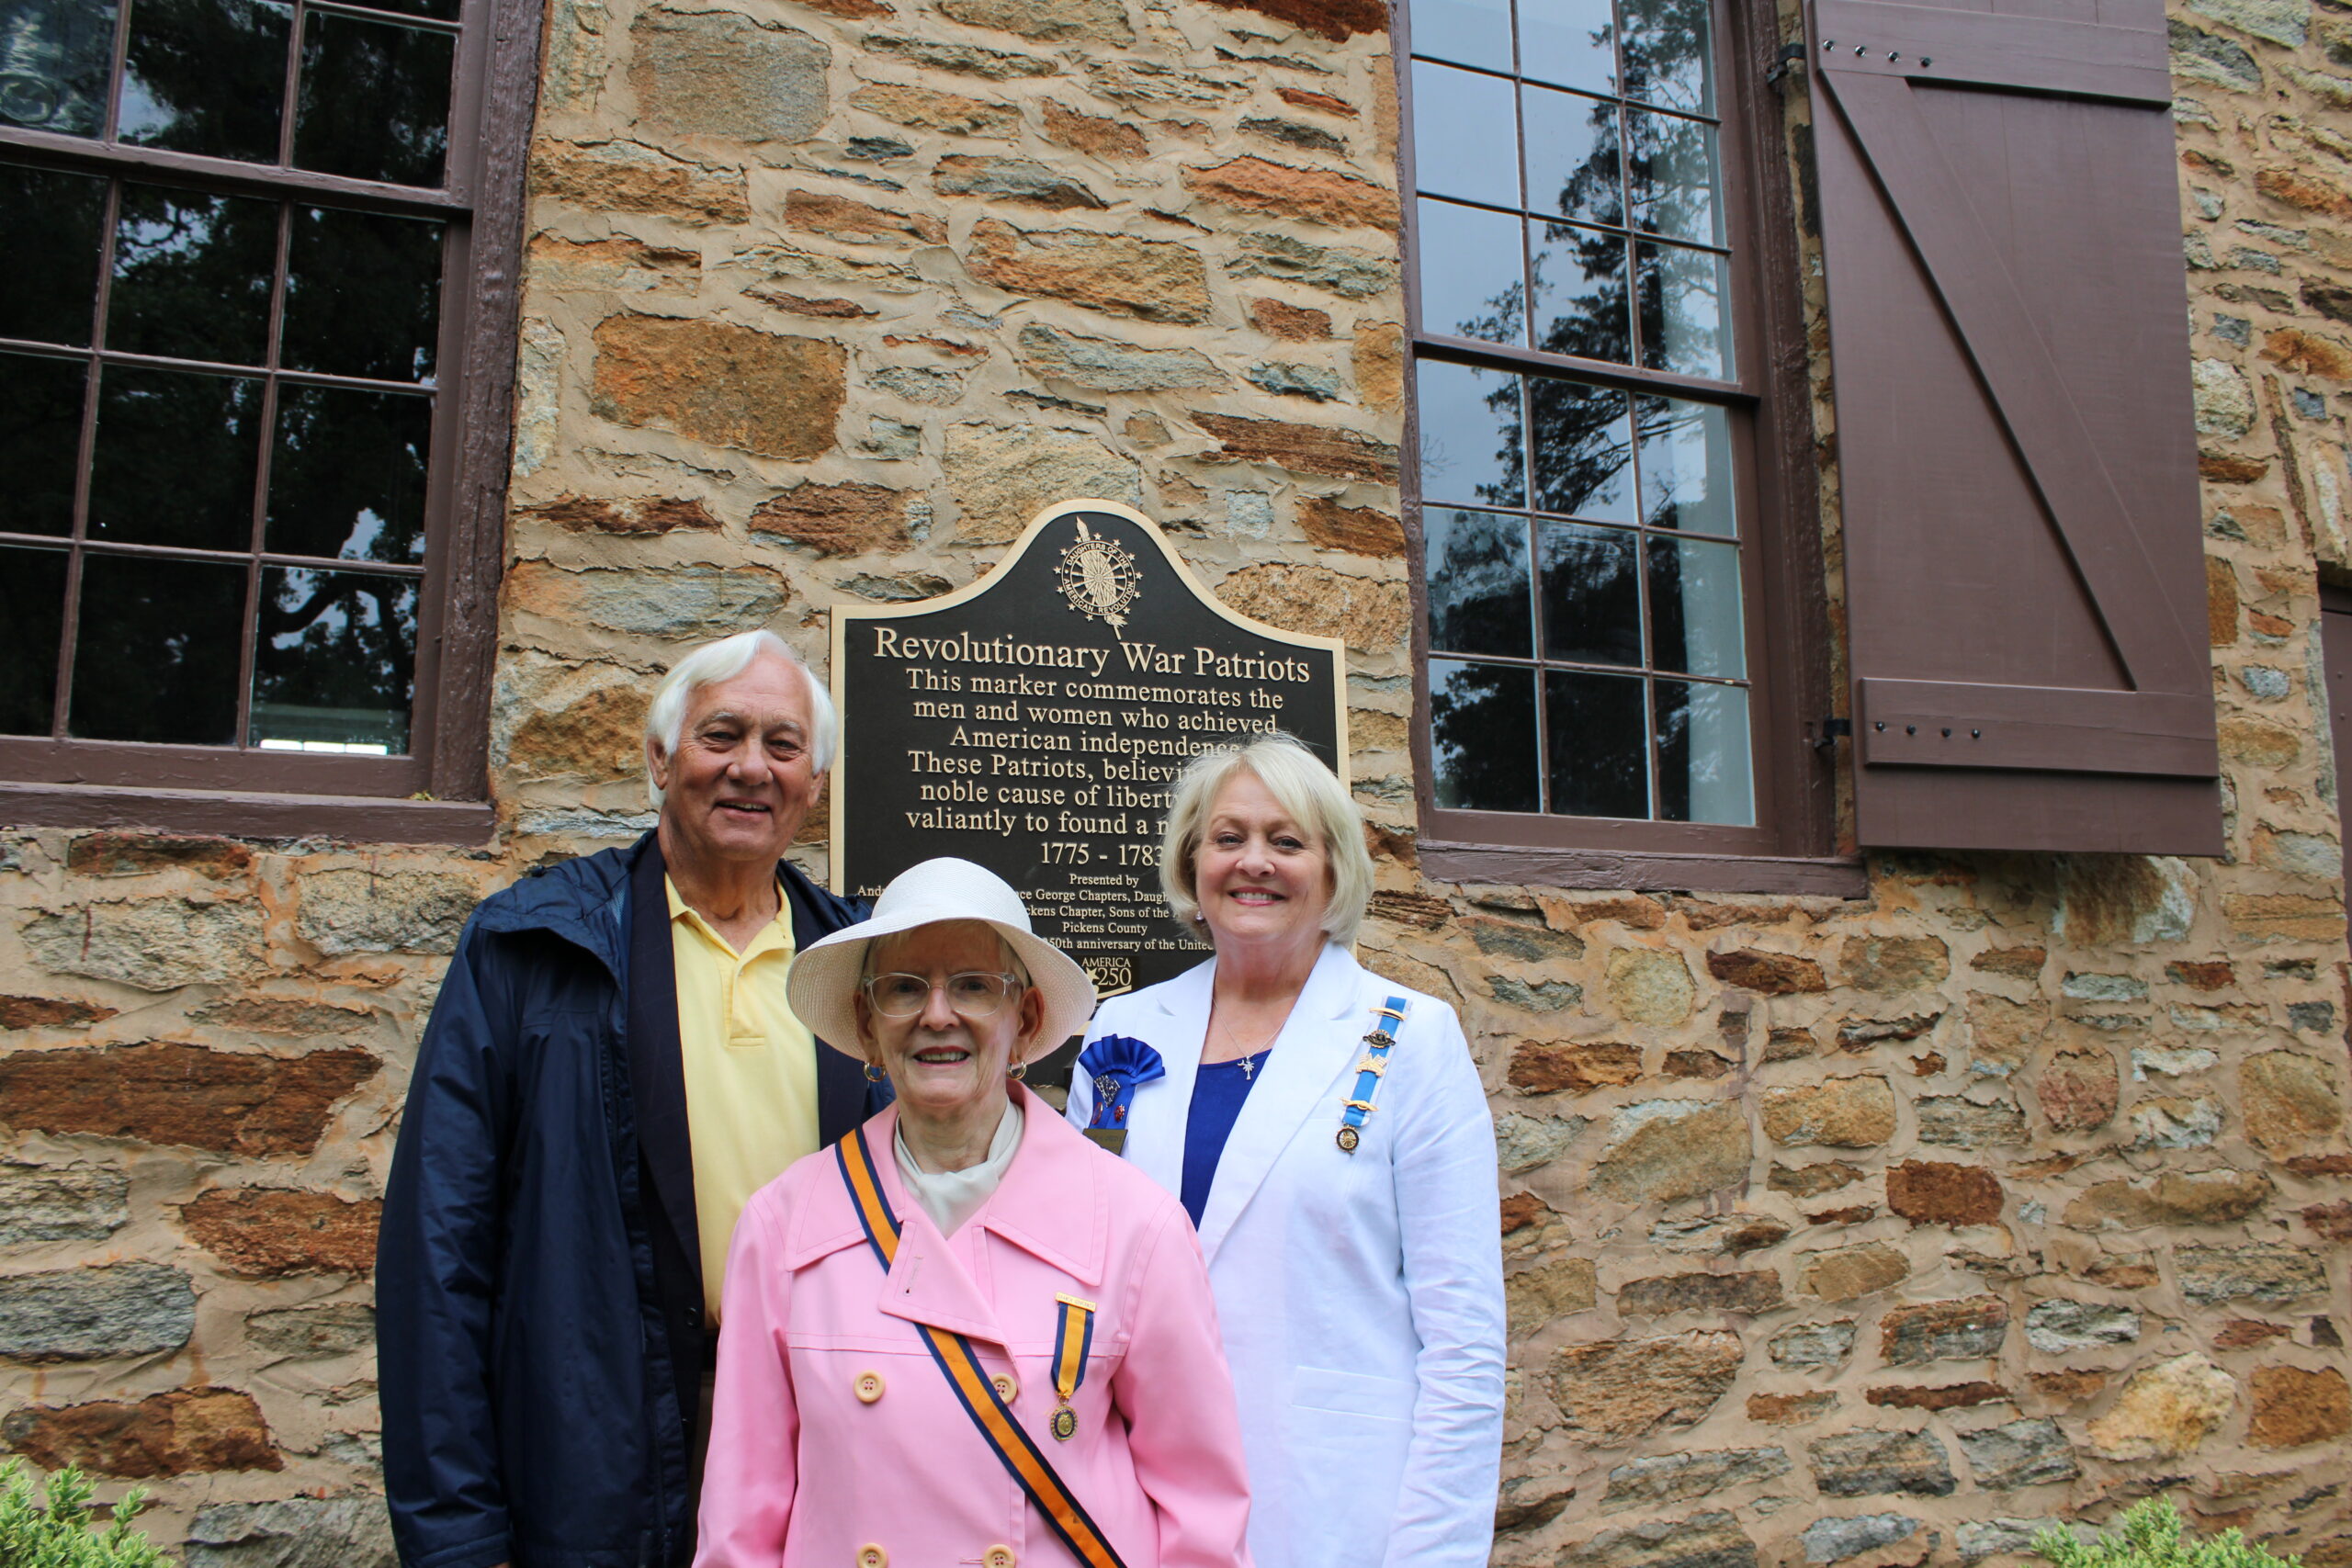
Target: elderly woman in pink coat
963	1335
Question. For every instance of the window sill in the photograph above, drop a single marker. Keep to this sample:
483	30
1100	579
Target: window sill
228	814
1642	871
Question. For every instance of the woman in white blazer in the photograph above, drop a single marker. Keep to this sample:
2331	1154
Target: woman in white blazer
1344	1188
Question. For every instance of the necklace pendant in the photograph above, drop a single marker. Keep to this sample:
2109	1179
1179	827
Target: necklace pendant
1248	1070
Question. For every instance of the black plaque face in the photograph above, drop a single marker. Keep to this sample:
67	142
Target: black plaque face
1034	721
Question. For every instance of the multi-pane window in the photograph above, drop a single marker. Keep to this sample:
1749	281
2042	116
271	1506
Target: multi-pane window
236	229
1585	535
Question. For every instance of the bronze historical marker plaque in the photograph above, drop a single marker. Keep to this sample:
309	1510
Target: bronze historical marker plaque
1033	721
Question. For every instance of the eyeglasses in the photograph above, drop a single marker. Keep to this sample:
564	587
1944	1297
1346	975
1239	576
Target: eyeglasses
973	993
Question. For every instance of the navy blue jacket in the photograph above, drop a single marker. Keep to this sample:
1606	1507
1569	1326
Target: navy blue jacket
538	1283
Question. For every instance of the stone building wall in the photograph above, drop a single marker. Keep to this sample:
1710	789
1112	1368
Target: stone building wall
1838	1231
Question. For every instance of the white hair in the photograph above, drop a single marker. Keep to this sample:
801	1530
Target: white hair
665	715
1312	796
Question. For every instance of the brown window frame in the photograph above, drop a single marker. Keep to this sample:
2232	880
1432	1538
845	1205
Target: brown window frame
439	792
1785	598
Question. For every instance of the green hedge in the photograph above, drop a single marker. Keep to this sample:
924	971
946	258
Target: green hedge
53	1531
2150	1535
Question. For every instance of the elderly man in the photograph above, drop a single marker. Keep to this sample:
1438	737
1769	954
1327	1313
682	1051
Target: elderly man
611	1070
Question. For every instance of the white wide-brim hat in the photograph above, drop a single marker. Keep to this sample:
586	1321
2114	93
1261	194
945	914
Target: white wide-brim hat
823	983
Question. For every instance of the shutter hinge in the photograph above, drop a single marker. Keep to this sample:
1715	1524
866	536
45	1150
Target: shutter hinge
1784	62
1831	728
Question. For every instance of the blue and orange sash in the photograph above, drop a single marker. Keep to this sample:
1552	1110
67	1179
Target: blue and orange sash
981	1399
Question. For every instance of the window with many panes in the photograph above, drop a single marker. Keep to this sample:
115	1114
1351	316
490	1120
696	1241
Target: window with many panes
1585	409
240	233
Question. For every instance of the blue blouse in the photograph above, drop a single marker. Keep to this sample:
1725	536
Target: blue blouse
1217	1093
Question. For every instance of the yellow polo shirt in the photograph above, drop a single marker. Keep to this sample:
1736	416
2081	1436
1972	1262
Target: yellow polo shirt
751	1072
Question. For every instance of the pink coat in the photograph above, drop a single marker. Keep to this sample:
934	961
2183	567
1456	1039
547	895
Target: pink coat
804	1471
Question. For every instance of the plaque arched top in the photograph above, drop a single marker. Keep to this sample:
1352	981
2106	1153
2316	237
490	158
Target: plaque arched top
1103	615
1028	535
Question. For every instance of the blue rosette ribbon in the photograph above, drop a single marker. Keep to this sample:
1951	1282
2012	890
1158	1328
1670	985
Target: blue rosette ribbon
1118	1065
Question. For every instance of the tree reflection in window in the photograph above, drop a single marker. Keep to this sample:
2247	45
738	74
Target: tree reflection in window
1622	200
1482	736
334	661
1477	581
1582	545
206	76
220	370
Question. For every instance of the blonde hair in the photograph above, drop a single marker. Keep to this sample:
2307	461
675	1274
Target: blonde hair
1310	792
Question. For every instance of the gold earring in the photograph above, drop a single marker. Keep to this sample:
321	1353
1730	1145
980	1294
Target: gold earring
1018	1071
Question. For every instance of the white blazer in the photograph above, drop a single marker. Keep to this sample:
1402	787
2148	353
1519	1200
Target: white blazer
1360	1295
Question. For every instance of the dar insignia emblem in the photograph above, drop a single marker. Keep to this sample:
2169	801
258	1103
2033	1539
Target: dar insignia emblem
1099	578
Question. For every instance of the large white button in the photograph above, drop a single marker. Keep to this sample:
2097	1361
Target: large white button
872	1557
1006	1387
868	1387
998	1557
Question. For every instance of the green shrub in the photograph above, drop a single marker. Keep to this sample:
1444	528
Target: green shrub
2151	1535
54	1532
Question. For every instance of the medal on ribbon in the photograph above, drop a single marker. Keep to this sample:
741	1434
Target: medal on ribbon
1118	1065
990	1411
1357	1108
1073	1336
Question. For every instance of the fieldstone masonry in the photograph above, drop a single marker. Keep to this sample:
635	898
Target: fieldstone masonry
1868	1232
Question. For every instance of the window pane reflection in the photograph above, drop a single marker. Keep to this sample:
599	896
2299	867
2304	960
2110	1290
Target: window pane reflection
1694	608
1482	736
1470	434
1475	32
1637	584
347	476
1610	511
1470	272
444	10
1674	173
1570	43
206	76
1574	165
374	101
192	273
156	649
1598	744
1477	583
32	619
363	295
55	223
1702	755
1593	602
1686	319
1584	450
1579	292
175	459
1460	121
40	442
1670	47
334	661
1686	465
54	60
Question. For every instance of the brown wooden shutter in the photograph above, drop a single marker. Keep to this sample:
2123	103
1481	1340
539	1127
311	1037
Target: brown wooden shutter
2009	348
